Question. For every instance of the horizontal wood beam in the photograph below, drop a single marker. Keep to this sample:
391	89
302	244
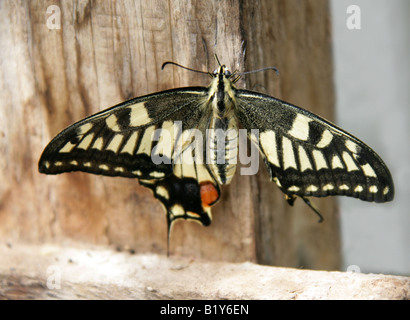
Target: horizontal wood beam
76	271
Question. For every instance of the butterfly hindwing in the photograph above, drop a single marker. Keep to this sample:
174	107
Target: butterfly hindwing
188	195
308	156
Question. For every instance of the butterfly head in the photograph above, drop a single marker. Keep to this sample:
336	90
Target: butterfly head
222	72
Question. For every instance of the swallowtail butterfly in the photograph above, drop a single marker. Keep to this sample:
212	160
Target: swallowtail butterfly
151	138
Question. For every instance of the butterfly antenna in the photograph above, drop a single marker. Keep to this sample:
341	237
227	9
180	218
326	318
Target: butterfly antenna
183	67
217	60
260	70
307	201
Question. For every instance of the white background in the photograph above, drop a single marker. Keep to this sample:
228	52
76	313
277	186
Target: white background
372	83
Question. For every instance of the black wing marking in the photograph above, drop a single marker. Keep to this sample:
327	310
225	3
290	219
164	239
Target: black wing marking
309	156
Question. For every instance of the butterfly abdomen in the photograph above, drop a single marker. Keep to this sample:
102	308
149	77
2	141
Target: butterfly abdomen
223	148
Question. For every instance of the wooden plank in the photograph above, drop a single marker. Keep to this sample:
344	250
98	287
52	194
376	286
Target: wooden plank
107	52
278	33
90	272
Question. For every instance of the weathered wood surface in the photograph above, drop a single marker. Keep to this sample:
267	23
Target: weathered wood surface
87	272
107	52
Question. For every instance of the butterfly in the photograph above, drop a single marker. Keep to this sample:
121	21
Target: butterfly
183	145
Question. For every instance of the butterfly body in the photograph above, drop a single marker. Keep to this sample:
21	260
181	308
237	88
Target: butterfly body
183	145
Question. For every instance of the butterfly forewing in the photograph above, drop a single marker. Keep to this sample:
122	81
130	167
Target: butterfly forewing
308	156
119	140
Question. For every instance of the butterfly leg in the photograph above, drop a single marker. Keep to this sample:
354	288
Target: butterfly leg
312	206
291	200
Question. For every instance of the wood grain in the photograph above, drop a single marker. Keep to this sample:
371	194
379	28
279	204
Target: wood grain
108	52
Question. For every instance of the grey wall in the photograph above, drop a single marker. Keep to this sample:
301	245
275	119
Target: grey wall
372	82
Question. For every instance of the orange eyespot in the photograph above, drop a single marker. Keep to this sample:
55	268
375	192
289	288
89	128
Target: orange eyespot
209	193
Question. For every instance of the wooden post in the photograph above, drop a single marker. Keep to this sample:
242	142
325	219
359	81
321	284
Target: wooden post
107	52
